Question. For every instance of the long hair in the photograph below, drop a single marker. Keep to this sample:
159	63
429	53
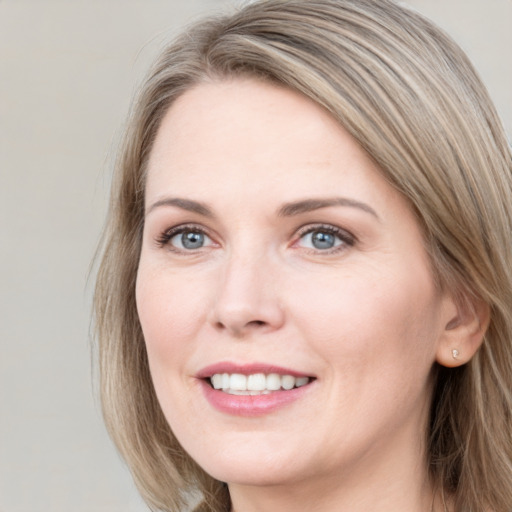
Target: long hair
410	97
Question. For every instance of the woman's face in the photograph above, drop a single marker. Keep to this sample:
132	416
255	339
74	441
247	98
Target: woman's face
275	255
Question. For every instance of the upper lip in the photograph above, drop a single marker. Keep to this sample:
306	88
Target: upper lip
247	369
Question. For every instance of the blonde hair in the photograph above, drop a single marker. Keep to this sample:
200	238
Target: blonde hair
410	97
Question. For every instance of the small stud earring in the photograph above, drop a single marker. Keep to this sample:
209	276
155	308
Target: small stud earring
455	353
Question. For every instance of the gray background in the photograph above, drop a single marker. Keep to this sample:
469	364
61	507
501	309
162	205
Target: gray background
68	70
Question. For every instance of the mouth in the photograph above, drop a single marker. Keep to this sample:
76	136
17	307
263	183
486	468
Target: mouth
252	389
255	384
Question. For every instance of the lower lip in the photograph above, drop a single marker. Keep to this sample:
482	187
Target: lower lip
251	405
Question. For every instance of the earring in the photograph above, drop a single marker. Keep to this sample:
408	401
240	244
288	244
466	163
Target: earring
455	353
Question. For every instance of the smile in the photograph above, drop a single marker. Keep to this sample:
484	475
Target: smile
253	389
256	383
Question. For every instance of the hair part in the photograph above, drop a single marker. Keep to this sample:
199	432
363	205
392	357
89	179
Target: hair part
408	94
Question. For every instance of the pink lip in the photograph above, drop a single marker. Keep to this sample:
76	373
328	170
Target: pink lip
250	405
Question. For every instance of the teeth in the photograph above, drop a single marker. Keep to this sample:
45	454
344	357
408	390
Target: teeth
273	382
216	381
256	383
288	382
238	382
301	381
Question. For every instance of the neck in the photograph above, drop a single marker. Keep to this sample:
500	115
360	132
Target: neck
335	499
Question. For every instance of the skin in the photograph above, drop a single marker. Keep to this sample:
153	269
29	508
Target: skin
364	318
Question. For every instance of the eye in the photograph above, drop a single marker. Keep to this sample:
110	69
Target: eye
185	238
325	238
189	240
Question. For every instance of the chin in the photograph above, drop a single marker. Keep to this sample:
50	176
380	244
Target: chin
252	464
253	474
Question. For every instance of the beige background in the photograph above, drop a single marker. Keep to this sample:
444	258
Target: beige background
67	72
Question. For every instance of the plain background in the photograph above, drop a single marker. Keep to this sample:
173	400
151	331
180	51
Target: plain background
68	70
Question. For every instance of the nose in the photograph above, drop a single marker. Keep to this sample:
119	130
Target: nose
247	298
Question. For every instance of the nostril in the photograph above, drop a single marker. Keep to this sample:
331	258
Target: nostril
239	329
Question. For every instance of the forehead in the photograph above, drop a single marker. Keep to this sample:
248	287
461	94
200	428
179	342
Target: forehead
243	114
244	135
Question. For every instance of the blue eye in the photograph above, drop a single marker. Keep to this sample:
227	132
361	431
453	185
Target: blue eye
189	240
184	238
325	238
322	240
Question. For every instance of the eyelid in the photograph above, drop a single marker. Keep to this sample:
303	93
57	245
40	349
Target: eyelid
346	237
164	238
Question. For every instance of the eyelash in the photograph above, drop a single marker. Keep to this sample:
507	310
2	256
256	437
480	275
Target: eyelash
164	238
347	239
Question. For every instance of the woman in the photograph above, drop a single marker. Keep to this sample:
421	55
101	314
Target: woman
304	299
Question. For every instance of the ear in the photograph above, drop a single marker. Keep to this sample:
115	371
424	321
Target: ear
467	320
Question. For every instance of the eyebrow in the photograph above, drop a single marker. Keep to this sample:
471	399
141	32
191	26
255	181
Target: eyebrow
184	204
309	205
287	210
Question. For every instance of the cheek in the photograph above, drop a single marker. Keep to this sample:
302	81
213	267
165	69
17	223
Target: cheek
170	311
377	339
372	316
